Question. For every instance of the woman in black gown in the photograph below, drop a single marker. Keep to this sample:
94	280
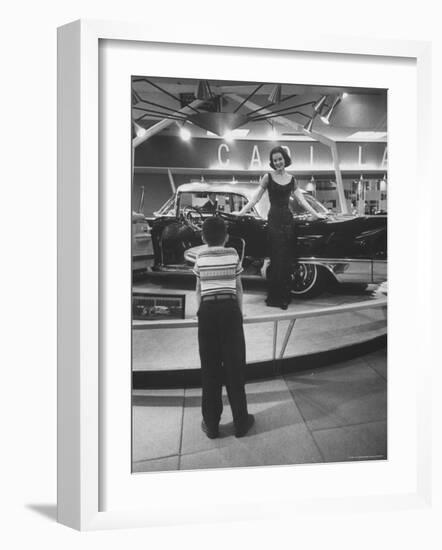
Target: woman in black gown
280	186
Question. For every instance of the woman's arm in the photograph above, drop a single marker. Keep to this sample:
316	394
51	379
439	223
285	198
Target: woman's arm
300	198
261	190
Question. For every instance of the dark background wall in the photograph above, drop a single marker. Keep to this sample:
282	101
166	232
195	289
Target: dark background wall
157	190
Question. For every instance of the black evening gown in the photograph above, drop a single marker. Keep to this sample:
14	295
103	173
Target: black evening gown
281	233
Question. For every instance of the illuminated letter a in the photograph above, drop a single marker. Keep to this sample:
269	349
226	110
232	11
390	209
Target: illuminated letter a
256	159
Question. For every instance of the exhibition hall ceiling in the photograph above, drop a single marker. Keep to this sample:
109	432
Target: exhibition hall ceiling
258	111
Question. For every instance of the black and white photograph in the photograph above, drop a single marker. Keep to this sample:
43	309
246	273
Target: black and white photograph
234	222
266	205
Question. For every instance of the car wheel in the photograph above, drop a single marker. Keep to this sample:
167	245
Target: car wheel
308	280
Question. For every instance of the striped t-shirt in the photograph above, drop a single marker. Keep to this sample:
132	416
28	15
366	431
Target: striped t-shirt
217	268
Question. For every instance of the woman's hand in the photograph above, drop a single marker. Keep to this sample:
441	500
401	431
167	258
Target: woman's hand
319	216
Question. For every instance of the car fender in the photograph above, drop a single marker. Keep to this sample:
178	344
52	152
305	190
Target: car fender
340	270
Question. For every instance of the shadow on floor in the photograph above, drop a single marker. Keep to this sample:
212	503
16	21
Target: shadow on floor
48	511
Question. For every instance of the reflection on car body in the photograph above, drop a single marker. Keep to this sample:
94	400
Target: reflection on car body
337	248
159	310
141	242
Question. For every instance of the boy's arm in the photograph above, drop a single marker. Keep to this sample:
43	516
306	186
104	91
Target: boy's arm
196	270
198	292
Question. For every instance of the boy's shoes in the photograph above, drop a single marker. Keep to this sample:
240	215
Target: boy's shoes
212	433
241	432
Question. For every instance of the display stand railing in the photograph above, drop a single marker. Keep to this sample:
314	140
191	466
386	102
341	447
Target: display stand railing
275	318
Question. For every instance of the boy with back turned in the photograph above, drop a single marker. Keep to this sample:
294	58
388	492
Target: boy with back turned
220	330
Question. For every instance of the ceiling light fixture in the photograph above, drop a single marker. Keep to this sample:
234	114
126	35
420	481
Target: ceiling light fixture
308	127
185	133
139	130
272	133
326	117
319	104
229	136
368	136
238	133
203	90
275	96
205	111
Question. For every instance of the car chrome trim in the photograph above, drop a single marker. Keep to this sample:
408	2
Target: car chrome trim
346	270
343	271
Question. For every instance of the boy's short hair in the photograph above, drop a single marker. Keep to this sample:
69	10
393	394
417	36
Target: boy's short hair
214	231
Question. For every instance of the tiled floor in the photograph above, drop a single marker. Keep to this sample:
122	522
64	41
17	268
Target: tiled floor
337	413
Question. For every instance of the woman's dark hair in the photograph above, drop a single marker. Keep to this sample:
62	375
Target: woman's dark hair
285	155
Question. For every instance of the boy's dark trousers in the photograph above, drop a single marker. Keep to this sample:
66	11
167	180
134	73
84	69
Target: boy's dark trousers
222	353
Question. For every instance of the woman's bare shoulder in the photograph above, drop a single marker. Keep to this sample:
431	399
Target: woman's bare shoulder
264	180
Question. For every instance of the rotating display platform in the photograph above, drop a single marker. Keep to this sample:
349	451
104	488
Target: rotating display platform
311	333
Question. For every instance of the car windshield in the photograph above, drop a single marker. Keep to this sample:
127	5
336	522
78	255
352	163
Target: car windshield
168	209
299	210
209	202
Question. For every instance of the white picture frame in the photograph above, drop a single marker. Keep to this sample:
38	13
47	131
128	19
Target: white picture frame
82	296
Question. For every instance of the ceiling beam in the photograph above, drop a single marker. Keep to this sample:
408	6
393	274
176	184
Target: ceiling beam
165	123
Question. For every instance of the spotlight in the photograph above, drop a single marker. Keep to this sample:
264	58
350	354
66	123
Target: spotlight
309	125
185	134
272	133
326	117
139	130
229	136
318	105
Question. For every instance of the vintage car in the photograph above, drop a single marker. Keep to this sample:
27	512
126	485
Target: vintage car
141	243
343	249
